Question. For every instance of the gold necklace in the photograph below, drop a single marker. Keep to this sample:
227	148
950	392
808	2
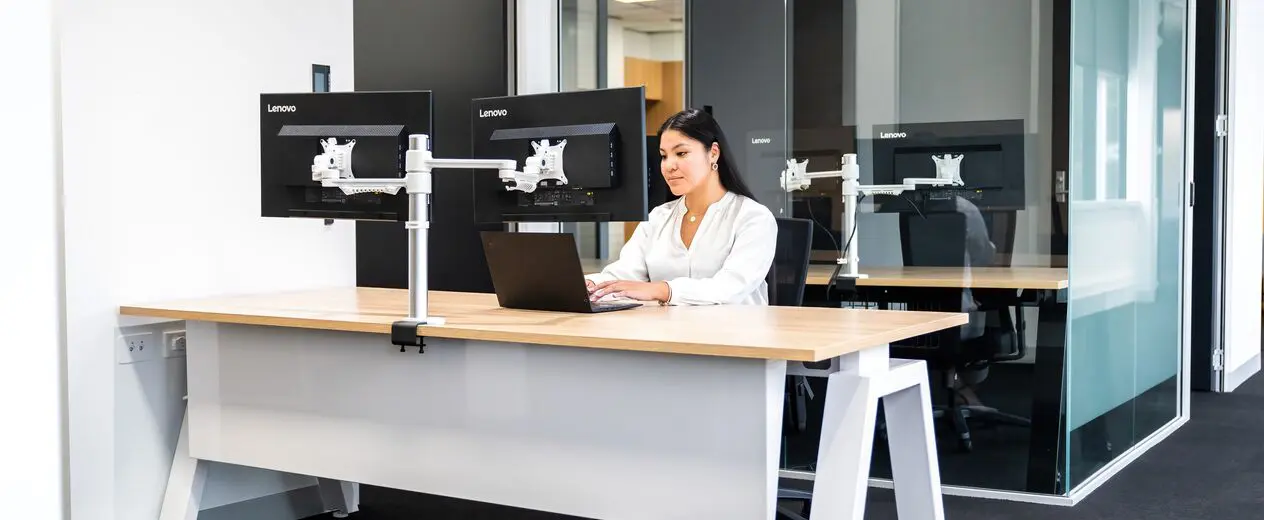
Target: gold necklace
692	218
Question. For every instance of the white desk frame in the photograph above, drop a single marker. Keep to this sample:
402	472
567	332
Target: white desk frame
598	433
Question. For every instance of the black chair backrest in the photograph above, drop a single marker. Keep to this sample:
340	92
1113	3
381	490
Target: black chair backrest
789	272
936	240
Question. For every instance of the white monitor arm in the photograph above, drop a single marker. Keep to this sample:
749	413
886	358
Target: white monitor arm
796	177
544	164
333	170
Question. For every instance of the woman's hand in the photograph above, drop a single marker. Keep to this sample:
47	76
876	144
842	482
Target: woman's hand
641	291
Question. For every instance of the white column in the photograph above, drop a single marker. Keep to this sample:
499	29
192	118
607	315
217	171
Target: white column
536	36
33	480
536	39
1244	236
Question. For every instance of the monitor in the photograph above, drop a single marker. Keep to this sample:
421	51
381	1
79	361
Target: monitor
604	159
292	127
993	166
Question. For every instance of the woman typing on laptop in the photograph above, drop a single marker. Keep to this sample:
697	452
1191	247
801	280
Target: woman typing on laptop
712	245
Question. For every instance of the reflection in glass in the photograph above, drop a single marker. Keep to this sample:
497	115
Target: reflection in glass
901	84
1124	331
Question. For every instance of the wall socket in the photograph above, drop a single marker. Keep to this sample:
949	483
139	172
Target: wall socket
136	347
173	343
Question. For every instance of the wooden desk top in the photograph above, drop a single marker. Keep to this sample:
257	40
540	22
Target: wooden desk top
952	277
790	333
945	277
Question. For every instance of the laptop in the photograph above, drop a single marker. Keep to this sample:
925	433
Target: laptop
540	271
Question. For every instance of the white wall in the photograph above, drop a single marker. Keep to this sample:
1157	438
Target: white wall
578	48
661	46
161	143
614	53
31	400
1244	233
668	46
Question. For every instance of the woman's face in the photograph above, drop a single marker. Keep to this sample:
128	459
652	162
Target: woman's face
686	163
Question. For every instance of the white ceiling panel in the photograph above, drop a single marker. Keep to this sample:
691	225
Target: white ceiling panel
650	17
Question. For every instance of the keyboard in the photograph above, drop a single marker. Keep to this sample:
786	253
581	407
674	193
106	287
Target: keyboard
616	305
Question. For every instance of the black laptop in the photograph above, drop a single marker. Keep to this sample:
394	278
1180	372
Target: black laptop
540	271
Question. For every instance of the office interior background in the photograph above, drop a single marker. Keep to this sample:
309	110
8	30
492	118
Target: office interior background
1130	132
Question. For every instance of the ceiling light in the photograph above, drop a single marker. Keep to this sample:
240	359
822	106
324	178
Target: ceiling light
633	1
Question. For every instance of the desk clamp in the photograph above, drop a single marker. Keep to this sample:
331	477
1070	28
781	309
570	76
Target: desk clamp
404	333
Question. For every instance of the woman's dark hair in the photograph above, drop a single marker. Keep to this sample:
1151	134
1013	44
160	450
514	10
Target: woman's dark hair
700	126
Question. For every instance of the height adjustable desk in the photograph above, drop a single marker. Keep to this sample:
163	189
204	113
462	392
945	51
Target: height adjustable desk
567	413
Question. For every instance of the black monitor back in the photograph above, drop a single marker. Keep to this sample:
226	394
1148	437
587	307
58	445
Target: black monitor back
604	159
993	169
291	128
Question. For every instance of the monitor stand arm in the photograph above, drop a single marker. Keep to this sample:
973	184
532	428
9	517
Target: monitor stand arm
419	164
796	177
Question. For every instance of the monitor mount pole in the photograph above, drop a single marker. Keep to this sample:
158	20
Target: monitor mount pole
796	177
333	170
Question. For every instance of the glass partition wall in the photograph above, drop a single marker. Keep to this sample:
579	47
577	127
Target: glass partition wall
1127	208
961	90
1058	130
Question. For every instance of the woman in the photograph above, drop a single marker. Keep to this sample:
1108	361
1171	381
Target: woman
712	245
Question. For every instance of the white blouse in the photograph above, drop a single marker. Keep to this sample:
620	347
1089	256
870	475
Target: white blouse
727	263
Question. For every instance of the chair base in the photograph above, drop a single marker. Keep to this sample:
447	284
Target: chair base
960	416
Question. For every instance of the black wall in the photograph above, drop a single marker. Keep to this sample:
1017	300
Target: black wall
459	50
819	37
1202	297
737	63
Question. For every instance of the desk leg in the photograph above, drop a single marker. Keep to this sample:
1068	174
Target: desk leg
846	448
185	483
911	434
343	498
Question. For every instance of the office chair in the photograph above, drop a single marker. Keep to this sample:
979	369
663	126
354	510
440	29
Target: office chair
957	239
787	279
788	274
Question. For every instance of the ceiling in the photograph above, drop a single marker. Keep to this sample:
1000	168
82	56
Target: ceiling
650	17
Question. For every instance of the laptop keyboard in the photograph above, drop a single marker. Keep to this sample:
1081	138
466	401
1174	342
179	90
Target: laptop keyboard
600	306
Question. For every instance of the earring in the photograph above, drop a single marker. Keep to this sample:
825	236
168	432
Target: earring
715	166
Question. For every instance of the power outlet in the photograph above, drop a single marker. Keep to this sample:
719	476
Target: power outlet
173	343
141	346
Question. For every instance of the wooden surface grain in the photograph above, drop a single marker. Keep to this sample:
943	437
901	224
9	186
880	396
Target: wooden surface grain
941	277
790	333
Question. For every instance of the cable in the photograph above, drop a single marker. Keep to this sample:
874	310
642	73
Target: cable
914	206
847	247
855	224
827	231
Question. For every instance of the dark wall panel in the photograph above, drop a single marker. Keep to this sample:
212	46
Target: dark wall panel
737	62
819	37
1202	286
459	50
